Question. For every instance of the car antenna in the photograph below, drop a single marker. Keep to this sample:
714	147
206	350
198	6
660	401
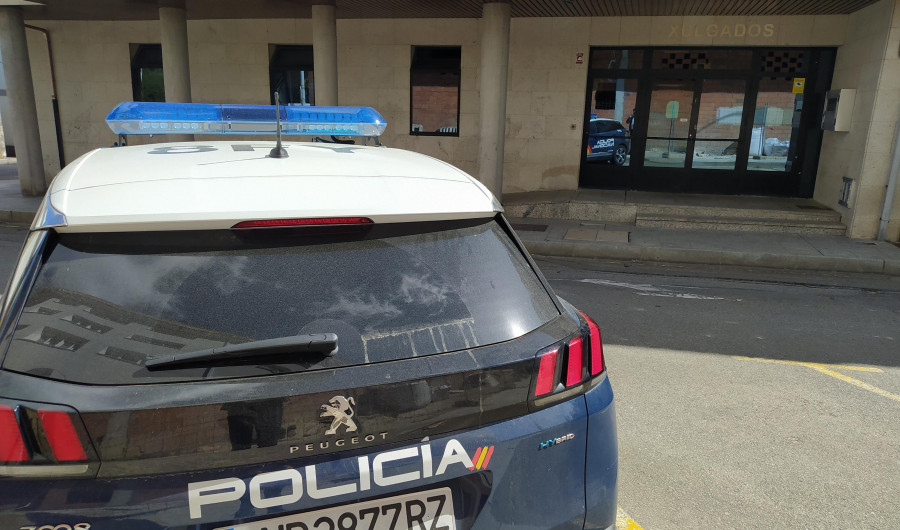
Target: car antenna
278	151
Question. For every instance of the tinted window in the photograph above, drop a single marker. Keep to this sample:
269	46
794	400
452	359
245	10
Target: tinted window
604	126
147	72
104	304
291	74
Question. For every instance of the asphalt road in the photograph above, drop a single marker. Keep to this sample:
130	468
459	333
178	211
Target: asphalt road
725	417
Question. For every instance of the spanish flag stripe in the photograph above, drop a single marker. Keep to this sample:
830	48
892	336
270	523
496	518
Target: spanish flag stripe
484	452
475	459
488	457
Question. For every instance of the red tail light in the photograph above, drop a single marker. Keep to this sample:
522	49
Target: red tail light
43	441
565	369
596	346
12	446
62	436
546	378
575	368
317	221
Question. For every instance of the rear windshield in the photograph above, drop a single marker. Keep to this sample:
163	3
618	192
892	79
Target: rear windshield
103	304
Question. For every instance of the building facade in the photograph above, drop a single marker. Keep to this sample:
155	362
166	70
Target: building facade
526	95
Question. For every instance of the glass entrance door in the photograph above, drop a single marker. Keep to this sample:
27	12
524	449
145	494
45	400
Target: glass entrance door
679	137
705	120
607	136
669	124
776	124
719	122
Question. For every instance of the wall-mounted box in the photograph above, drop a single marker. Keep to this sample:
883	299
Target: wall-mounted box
838	109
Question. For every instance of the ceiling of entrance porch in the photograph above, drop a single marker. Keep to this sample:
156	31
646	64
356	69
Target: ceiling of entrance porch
231	9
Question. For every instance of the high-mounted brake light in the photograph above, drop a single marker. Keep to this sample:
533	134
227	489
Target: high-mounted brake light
316	221
133	117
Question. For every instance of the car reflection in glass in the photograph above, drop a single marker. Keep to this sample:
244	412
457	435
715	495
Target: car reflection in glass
608	141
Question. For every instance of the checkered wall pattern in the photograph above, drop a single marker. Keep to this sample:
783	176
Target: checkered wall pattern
685	61
788	62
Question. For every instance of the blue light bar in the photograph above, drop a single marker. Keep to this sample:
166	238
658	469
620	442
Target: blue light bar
133	117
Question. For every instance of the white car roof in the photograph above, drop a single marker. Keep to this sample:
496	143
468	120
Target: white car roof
214	185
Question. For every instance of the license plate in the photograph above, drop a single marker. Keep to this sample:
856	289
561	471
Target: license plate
429	510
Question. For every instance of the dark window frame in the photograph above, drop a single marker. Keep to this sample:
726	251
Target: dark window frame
421	63
145	56
284	60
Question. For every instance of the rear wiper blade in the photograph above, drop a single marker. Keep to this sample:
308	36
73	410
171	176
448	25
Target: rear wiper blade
323	343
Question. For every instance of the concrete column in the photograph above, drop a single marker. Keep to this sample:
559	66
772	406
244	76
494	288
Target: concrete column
325	54
174	40
20	90
494	64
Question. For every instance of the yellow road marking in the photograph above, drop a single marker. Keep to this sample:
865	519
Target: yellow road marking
815	366
828	369
624	522
860	384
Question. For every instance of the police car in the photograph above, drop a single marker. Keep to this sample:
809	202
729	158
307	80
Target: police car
608	140
308	336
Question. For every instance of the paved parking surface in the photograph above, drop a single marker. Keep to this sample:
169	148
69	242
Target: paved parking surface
765	402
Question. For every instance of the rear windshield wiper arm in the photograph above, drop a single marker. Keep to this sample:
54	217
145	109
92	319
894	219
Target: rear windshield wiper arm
324	343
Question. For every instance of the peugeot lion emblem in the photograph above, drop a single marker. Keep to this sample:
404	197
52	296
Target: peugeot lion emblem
341	411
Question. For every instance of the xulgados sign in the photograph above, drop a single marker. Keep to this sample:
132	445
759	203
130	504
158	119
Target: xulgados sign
739	30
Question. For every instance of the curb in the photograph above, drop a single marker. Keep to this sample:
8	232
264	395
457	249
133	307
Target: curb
713	257
11	216
892	268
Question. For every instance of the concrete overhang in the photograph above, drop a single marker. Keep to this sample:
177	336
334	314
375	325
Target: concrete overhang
350	9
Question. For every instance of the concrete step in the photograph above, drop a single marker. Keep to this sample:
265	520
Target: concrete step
680	212
600	212
775	225
785	212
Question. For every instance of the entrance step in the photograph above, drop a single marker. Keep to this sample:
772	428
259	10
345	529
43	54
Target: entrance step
680	211
769	224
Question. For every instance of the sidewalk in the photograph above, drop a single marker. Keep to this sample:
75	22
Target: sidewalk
552	237
567	238
13	206
547	222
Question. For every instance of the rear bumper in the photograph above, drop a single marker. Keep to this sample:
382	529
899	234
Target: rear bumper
602	459
500	475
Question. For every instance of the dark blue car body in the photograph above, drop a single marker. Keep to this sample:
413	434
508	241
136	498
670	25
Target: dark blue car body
511	433
528	482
